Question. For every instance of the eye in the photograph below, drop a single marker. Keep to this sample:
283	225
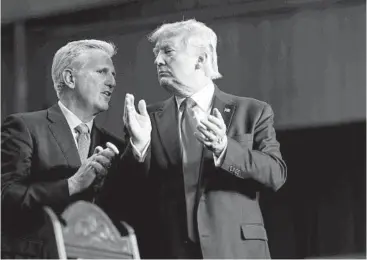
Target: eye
101	71
168	51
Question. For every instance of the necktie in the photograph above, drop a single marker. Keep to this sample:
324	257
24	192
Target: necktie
191	156
83	140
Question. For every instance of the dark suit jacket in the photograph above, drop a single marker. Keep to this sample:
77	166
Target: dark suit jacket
38	154
229	220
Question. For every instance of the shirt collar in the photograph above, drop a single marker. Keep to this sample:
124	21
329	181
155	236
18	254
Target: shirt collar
203	98
72	119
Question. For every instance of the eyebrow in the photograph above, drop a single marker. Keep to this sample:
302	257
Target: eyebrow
108	69
163	46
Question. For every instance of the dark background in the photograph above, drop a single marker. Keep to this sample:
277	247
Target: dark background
307	58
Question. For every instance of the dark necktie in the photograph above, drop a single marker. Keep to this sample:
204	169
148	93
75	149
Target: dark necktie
191	156
83	140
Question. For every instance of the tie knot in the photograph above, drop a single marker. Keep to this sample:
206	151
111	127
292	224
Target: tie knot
82	129
188	103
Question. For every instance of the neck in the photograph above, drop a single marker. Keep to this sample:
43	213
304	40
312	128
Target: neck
74	106
196	85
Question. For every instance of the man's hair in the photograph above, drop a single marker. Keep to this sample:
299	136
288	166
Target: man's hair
67	54
196	34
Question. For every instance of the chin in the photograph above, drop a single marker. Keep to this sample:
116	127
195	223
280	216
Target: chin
103	107
169	86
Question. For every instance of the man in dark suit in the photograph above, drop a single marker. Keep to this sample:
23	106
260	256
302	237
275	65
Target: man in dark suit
55	156
205	155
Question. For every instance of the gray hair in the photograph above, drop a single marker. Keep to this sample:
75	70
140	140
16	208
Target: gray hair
65	56
196	34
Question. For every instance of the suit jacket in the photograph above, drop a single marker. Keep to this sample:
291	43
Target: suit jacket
38	154
229	220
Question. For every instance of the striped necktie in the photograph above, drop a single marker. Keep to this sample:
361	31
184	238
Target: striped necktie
191	157
83	140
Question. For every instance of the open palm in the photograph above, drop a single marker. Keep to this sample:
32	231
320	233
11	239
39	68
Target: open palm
138	124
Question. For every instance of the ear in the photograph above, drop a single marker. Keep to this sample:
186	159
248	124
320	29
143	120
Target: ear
68	77
201	60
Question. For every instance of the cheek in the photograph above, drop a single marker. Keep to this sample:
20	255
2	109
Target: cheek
182	68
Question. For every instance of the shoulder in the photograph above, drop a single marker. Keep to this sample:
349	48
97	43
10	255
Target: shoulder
20	126
28	118
245	102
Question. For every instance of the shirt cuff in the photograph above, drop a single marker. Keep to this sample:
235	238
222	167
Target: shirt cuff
140	155
218	161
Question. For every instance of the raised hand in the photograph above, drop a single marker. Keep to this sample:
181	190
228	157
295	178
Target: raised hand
212	132
138	124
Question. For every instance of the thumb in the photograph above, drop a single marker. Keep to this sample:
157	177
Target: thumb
216	113
98	149
113	147
142	106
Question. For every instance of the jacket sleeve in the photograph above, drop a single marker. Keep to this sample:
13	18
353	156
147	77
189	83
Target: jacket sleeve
18	192
262	162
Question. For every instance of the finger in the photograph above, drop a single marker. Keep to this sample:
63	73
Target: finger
125	110
98	149
202	139
113	147
130	109
217	114
217	121
210	126
99	168
105	161
108	153
207	134
142	106
129	103
130	100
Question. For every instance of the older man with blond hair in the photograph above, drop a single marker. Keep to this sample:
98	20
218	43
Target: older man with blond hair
56	156
204	155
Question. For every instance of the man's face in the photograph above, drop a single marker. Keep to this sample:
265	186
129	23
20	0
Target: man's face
94	81
176	66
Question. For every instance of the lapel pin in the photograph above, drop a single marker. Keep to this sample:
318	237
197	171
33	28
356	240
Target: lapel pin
227	110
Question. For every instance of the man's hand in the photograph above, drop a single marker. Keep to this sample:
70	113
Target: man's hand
212	133
95	166
138	124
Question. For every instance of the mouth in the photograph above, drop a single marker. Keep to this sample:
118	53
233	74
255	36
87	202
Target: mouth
164	73
107	93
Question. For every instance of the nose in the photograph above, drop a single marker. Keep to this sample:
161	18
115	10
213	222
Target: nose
111	81
159	59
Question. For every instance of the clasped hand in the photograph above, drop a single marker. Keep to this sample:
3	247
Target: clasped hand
212	132
94	168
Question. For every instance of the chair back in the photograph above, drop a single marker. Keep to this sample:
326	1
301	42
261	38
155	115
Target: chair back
85	231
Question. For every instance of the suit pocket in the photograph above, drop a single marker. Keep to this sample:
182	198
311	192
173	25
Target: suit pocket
253	232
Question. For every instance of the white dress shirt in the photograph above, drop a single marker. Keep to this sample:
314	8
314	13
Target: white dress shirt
73	121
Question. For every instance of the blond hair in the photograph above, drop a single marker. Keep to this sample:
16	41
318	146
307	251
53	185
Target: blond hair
196	34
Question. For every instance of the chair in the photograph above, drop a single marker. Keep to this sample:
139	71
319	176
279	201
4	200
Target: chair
84	231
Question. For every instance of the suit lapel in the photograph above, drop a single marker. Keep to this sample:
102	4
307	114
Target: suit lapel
64	138
167	127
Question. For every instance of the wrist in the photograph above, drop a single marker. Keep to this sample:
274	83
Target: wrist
73	186
222	147
139	144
